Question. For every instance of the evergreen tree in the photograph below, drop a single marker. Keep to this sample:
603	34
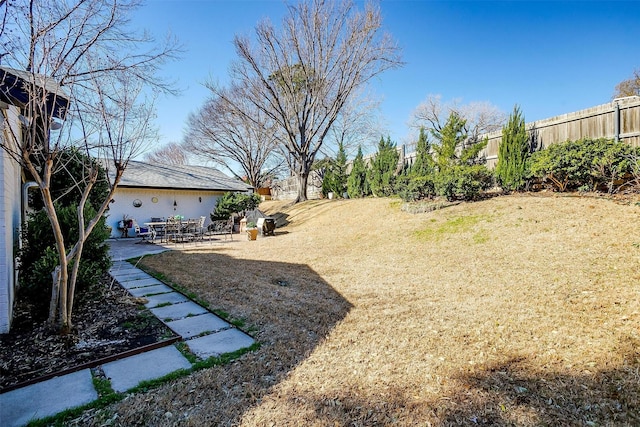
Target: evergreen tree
357	185
451	139
513	153
423	165
340	171
458	172
334	178
383	168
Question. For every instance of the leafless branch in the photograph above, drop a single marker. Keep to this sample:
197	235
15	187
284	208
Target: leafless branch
303	74
77	62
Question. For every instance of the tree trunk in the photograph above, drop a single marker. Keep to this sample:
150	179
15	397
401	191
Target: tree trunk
303	178
60	276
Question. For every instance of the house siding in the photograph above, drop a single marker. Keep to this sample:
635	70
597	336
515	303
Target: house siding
10	207
189	204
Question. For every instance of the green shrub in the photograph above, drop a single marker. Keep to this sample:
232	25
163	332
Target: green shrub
458	169
424	164
417	182
38	256
335	174
614	161
231	203
586	162
411	188
471	181
463	181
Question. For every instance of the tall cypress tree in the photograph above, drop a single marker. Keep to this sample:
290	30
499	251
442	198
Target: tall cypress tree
335	173
449	138
357	185
423	165
340	171
513	153
383	168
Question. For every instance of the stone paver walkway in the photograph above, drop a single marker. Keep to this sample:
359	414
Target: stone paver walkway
203	332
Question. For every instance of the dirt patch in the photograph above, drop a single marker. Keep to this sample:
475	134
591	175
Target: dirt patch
107	321
519	310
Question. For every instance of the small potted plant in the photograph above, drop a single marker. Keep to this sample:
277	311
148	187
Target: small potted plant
252	230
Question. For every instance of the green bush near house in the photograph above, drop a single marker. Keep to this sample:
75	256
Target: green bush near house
231	203
38	256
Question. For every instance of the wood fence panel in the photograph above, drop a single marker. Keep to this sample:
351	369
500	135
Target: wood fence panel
617	119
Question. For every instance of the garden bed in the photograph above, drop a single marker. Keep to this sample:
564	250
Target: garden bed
107	320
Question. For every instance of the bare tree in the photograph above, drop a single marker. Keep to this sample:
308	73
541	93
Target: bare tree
480	117
170	154
77	61
358	125
303	75
629	87
230	131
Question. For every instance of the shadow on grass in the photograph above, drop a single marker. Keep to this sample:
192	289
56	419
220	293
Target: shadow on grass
281	218
511	393
288	308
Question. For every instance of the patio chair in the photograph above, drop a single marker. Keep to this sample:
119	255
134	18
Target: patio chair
173	230
158	227
199	230
190	229
147	233
224	227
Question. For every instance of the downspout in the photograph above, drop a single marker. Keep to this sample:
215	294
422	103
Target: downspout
25	203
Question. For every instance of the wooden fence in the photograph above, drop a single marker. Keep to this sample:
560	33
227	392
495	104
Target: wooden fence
618	119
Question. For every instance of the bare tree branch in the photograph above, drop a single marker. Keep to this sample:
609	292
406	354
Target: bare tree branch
480	117
358	125
629	87
232	132
77	62
170	154
302	75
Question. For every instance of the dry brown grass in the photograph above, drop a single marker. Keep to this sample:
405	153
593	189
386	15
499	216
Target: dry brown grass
519	310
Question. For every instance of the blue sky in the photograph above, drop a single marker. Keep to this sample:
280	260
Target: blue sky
549	57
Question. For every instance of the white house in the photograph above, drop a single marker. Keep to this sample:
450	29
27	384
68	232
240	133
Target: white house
10	208
150	190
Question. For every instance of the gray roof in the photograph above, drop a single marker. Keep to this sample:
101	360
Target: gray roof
183	177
